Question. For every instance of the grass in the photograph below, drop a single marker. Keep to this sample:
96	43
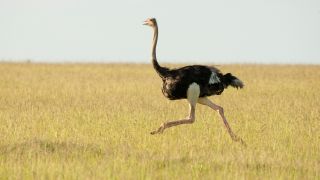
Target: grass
92	121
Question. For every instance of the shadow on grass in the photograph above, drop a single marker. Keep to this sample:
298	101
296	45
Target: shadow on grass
44	147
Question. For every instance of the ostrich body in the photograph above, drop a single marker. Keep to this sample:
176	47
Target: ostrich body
194	83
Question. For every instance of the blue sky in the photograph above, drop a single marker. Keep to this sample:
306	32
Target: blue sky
226	31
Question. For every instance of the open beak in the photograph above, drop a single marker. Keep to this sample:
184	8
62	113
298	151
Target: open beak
145	23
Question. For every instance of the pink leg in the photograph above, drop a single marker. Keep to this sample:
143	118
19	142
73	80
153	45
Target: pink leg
189	120
207	102
192	97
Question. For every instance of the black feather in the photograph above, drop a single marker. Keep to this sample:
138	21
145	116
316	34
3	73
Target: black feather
177	81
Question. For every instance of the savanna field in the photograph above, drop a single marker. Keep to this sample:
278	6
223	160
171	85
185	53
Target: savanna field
93	121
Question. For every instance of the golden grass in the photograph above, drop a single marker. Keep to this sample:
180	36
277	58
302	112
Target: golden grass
92	121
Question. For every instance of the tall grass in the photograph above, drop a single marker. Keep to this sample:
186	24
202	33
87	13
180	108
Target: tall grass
93	121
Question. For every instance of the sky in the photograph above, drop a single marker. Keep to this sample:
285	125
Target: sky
206	31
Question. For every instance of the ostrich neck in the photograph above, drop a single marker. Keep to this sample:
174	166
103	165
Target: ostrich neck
154	44
160	70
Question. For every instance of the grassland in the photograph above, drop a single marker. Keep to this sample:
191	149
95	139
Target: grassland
92	121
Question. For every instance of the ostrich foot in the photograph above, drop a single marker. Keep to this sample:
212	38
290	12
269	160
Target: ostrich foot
238	139
159	131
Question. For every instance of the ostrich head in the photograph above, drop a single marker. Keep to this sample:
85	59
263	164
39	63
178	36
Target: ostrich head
150	22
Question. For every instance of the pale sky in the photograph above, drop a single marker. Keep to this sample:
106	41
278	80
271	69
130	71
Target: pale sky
210	31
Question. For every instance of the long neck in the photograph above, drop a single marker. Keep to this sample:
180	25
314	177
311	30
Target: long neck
154	44
160	70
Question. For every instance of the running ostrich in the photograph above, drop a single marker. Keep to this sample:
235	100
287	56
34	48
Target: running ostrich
194	83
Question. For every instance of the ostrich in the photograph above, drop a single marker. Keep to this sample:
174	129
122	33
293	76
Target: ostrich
194	83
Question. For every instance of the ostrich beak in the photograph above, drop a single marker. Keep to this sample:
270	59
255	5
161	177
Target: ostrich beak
145	23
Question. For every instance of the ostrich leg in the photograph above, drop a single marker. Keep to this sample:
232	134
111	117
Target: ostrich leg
207	102
193	93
